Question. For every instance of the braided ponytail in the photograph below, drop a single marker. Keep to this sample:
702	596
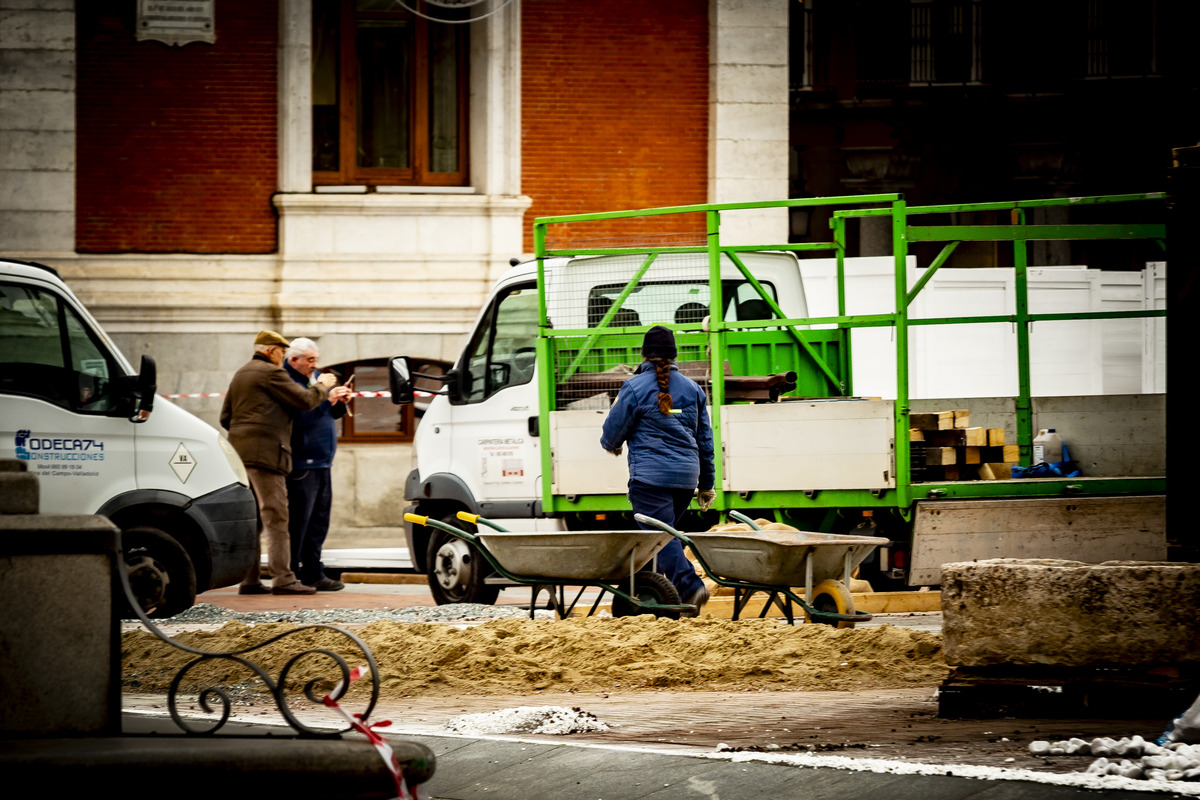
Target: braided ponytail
662	371
658	347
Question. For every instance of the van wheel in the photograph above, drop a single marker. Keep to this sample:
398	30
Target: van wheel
456	570
160	573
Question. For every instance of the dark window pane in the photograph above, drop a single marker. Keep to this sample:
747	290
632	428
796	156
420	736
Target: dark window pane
384	64
375	414
326	132
443	98
92	381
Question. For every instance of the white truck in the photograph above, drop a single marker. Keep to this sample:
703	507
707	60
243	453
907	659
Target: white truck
89	427
514	434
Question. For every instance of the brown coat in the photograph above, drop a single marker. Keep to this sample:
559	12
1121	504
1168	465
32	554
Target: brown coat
258	413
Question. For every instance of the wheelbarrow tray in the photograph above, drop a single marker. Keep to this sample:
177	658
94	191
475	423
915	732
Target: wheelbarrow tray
574	555
779	558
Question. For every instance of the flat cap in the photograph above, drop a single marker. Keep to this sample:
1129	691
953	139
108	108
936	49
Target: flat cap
271	337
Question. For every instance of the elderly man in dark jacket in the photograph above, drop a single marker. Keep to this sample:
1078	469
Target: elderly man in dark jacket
258	411
310	492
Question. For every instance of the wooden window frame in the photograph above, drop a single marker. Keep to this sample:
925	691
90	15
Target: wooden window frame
417	174
346	432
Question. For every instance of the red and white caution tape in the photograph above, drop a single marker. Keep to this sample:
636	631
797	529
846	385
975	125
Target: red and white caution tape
381	746
194	394
222	394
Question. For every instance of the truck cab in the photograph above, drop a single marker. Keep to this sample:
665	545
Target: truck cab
92	431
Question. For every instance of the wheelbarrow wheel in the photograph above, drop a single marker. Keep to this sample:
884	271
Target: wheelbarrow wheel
648	587
833	596
456	570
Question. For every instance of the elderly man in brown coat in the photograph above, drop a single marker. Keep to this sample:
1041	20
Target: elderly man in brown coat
258	415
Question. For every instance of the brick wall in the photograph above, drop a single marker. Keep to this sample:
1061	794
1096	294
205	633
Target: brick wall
176	145
614	109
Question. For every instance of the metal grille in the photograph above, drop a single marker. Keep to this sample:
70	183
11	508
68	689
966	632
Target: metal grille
600	308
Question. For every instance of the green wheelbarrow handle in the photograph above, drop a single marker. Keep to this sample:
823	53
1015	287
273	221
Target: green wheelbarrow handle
740	517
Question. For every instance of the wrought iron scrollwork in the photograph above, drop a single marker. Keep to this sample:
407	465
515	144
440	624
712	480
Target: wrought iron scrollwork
217	700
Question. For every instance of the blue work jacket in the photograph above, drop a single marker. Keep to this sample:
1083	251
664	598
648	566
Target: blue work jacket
675	450
314	433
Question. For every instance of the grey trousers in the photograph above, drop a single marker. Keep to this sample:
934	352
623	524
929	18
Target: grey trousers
270	488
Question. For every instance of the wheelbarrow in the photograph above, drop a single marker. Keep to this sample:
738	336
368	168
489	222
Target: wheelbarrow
774	561
608	560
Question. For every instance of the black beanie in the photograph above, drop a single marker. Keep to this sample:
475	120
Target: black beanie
659	343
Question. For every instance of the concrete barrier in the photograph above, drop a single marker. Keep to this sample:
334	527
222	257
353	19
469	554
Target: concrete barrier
1069	614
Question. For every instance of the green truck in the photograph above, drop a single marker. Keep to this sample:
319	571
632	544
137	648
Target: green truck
512	432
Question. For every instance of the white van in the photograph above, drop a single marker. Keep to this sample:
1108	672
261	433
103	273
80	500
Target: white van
73	409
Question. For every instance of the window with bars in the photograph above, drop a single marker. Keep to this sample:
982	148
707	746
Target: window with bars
1121	40
945	39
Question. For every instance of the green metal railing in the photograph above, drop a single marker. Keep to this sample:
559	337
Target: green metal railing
823	354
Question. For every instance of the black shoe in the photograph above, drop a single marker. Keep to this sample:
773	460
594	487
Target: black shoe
253	588
698	599
328	584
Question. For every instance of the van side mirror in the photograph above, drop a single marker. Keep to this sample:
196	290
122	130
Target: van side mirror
400	380
144	389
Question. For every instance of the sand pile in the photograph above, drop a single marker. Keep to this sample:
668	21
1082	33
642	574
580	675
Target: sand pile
519	656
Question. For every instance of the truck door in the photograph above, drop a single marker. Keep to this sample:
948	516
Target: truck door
494	448
59	394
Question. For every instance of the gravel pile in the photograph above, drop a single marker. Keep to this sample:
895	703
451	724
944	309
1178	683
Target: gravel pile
1131	757
455	613
552	720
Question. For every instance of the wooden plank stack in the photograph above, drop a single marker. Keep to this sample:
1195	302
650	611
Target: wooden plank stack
946	448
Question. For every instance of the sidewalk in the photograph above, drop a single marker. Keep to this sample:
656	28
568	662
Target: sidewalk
664	745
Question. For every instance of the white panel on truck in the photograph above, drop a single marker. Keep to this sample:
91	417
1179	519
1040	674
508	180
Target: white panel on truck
580	465
808	444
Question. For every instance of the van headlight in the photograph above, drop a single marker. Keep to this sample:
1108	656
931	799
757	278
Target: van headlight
235	461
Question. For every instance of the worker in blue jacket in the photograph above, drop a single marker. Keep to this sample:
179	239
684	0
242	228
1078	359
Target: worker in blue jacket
663	416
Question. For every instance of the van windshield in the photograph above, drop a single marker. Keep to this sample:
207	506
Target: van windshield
680	302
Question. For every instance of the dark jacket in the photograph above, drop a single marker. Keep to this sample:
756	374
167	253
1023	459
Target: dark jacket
258	413
314	433
674	450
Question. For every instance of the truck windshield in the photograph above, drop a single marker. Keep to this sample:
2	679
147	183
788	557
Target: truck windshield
680	302
502	349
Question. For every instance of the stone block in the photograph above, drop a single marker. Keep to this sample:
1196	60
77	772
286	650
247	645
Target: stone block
29	190
59	641
18	490
1070	614
38	150
37	25
37	110
754	83
33	70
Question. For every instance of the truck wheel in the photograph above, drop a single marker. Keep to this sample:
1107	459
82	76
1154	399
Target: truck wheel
830	595
456	570
648	587
160	572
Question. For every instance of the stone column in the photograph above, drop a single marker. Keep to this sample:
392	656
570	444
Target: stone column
37	127
748	115
295	96
495	136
